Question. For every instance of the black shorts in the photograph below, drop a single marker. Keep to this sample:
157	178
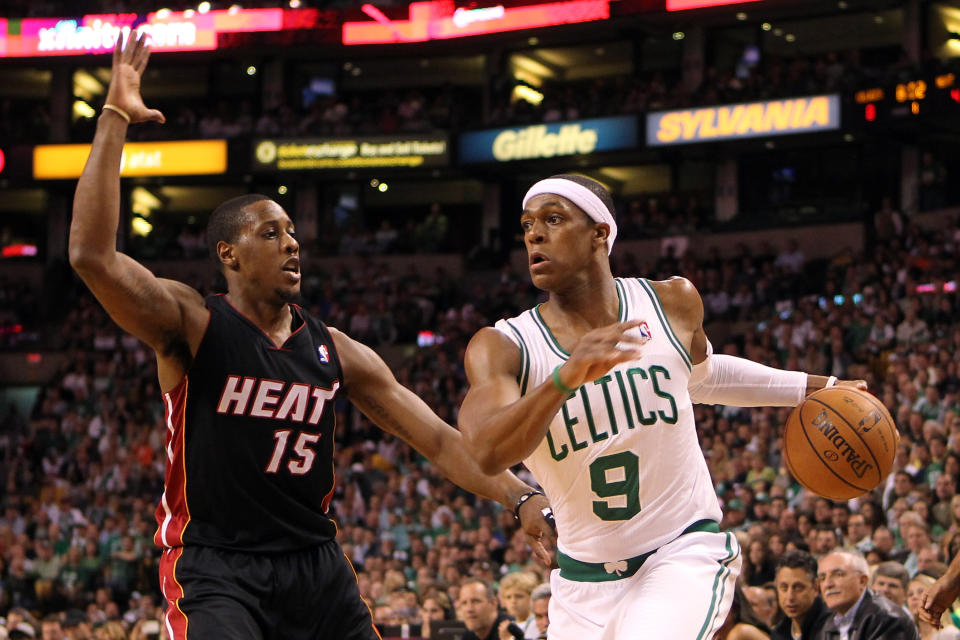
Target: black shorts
213	594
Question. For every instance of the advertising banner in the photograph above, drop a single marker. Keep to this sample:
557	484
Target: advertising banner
409	150
181	158
575	137
97	33
439	20
747	120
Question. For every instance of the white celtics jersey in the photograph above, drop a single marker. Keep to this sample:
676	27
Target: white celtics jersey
621	464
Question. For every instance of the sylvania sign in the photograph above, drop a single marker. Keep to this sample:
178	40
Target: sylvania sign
747	120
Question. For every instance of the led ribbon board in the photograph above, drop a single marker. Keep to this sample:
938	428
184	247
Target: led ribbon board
182	158
98	33
438	20
683	5
747	120
427	150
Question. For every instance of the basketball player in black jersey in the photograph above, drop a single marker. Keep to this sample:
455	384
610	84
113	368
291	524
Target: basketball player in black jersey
248	383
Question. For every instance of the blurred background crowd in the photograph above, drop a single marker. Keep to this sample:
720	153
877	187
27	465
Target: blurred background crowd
873	298
83	470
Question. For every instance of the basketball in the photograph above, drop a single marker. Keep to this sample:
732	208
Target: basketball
840	442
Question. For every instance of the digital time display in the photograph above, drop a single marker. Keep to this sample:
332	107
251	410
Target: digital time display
915	97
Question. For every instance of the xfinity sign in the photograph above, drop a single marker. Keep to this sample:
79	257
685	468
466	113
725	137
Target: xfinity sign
579	137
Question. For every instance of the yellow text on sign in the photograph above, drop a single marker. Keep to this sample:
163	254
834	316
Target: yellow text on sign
181	158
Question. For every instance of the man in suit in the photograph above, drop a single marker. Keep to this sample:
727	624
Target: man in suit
858	614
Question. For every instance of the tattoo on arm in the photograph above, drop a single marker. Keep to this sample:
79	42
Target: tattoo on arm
383	417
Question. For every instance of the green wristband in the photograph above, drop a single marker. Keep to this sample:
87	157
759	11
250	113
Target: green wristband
558	383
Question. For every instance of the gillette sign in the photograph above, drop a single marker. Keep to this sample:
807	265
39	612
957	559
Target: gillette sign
578	137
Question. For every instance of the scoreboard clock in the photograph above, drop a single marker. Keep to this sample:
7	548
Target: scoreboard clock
922	96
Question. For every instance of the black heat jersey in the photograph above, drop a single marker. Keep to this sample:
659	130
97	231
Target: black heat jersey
250	438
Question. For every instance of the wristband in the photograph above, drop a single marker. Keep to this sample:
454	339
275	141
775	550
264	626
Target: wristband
123	114
558	383
831	382
522	499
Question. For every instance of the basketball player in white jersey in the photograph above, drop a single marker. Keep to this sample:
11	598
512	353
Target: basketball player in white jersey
592	390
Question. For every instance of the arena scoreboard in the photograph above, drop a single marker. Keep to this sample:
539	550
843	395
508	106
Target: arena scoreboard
911	98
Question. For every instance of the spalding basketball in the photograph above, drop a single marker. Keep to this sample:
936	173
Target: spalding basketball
840	442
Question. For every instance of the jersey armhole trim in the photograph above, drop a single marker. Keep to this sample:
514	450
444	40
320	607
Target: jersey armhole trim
523	377
662	315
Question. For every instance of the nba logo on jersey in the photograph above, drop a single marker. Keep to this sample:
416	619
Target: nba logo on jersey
644	332
323	354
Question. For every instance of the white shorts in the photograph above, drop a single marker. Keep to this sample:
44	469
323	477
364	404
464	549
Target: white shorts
682	591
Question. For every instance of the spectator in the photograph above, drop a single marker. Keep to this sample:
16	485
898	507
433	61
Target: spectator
843	577
515	589
540	606
435	607
477	608
51	628
742	623
915	591
890	579
431	233
763	601
858	535
805	612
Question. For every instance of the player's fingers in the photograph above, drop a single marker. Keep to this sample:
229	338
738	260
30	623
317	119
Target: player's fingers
141	62
541	553
623	327
156	116
140	40
129	47
117	50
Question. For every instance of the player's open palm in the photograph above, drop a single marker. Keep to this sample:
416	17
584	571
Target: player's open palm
129	62
600	350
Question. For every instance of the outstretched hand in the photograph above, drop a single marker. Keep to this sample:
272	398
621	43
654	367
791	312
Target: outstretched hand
541	535
129	62
937	599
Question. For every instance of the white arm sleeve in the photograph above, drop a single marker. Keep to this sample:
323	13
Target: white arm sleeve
722	379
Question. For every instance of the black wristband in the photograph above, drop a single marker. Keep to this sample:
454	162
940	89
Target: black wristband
522	499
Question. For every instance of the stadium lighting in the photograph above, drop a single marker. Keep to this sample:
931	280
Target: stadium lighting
203	7
83	110
766	26
163	13
140	227
294	4
790	37
251	70
383	187
531	95
741	15
282	189
188	13
679	35
234	9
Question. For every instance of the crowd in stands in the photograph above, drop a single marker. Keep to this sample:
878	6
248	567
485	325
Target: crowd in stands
83	471
455	108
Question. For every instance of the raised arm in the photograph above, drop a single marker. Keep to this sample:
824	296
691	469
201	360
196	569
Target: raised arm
372	387
159	312
503	427
724	379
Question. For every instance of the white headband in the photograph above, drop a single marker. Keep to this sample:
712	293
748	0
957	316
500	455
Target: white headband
580	196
